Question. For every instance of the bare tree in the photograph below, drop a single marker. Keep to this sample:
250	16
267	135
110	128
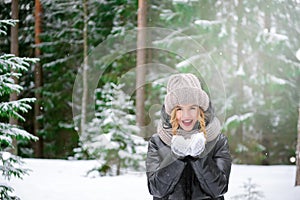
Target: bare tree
14	49
298	151
298	140
38	79
239	55
140	63
85	67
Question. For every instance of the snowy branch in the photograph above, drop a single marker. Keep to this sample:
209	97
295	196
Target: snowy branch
11	62
5	23
9	131
13	107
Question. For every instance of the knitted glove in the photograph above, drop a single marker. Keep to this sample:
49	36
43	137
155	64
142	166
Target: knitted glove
197	144
192	145
180	146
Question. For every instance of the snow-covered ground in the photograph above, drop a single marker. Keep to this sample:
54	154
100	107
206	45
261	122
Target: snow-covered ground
62	179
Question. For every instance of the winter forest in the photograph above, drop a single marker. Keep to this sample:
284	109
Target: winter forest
85	79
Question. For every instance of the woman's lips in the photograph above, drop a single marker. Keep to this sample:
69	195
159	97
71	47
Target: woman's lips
187	122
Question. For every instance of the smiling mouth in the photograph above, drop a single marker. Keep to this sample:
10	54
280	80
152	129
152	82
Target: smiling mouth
187	122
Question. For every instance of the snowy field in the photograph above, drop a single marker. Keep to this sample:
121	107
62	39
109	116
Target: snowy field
61	179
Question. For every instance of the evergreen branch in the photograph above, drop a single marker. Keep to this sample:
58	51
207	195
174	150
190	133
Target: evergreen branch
9	131
12	166
11	109
4	190
5	23
7	84
11	62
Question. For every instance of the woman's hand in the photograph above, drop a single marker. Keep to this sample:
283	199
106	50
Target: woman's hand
197	145
191	145
180	146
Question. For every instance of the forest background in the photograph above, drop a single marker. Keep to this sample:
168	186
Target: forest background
252	45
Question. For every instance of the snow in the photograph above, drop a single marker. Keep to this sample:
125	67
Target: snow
61	179
277	80
189	61
238	118
240	71
206	23
298	54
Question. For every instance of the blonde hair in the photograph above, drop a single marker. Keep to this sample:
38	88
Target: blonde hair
175	125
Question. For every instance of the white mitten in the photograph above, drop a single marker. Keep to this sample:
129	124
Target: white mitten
197	144
180	145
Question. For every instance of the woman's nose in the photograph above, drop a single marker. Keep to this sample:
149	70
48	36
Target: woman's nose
185	114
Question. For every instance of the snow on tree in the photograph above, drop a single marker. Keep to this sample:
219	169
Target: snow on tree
112	136
250	192
11	68
252	45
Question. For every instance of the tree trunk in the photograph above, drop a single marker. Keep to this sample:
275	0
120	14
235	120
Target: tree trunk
298	151
266	140
240	78
140	62
14	49
85	68
38	79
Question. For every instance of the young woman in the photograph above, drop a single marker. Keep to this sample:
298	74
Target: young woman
188	158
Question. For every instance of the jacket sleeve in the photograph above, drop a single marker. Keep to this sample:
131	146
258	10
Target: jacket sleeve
213	170
163	168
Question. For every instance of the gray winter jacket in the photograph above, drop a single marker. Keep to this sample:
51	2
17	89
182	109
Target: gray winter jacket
188	178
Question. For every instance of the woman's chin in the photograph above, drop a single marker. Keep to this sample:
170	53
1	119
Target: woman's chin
187	128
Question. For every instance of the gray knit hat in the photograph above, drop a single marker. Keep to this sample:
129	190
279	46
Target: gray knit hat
185	89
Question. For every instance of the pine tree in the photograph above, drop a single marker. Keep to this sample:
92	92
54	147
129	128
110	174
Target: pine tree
11	68
63	58
250	192
111	137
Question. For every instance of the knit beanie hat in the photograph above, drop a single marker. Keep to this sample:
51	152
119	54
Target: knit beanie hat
185	89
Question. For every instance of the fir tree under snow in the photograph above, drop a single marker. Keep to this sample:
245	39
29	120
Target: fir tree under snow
11	68
111	136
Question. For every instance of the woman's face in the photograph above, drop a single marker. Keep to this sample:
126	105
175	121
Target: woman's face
187	116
